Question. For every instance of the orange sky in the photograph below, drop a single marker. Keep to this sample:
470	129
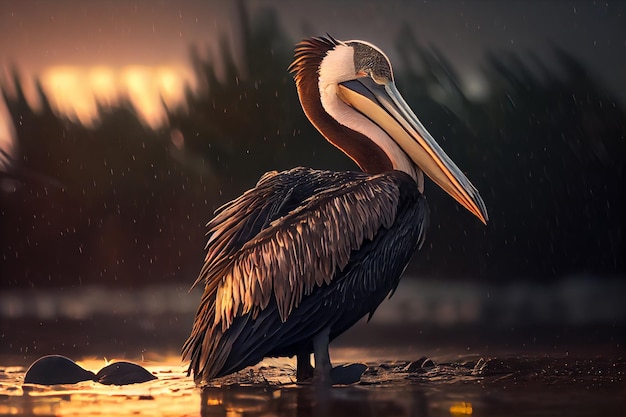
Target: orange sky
74	90
84	52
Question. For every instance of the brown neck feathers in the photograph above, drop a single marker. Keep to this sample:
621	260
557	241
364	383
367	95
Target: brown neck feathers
308	56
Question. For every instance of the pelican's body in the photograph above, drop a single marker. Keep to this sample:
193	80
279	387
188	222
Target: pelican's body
300	258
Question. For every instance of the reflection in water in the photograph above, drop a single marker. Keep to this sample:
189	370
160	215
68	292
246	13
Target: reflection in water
523	386
313	401
491	366
172	394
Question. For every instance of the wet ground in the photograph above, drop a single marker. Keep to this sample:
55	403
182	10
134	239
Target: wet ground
478	366
521	386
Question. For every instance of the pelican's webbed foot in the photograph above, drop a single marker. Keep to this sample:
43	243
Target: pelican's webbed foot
347	374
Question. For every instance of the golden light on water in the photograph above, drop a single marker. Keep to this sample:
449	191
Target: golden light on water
172	394
461	408
76	91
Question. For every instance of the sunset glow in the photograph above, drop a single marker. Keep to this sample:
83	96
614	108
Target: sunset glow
75	91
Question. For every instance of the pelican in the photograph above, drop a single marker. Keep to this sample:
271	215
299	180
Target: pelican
305	254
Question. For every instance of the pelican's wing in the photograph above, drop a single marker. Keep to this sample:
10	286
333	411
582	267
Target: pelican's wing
280	240
238	222
302	249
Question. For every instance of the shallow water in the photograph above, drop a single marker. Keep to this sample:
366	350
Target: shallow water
470	385
489	359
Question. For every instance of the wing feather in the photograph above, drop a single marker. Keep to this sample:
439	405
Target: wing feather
277	243
344	217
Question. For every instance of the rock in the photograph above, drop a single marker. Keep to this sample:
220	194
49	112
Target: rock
123	373
56	369
419	365
347	374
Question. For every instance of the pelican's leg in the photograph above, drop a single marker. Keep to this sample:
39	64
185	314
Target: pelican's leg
304	370
322	358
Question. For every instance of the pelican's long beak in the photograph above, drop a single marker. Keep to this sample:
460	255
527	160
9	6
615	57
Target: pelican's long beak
383	104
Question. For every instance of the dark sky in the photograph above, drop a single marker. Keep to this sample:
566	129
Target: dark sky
35	35
464	30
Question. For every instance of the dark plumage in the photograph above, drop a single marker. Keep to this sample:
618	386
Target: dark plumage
305	254
302	250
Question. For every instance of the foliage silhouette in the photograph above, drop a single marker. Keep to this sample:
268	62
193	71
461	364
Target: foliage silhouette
545	149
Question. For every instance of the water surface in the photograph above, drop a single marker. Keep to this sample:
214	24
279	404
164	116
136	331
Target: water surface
470	385
489	356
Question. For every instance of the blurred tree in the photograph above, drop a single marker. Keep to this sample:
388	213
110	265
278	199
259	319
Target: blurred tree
128	204
248	122
546	151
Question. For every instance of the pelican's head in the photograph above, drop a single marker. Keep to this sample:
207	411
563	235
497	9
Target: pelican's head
348	92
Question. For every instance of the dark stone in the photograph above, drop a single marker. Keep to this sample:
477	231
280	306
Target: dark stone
419	365
123	373
56	369
498	366
347	374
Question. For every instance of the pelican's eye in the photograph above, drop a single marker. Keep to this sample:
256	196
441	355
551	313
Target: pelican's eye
378	79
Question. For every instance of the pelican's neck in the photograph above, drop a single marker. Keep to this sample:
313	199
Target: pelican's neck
336	67
361	149
320	65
